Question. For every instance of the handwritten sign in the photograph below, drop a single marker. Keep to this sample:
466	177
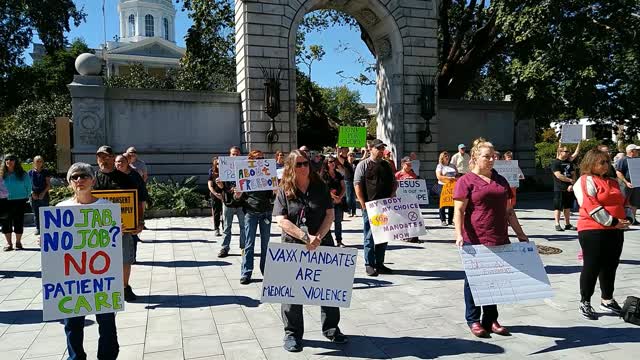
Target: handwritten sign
505	274
128	200
295	275
414	189
352	136
256	175
81	261
415	165
571	134
634	171
510	170
227	167
395	218
446	196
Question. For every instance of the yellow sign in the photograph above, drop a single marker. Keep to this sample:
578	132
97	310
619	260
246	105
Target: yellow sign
128	200
446	196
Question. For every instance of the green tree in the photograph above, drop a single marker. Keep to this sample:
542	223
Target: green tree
314	128
344	106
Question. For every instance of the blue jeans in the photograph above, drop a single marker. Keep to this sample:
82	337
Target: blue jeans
337	221
250	226
35	206
350	196
373	254
108	347
472	314
228	221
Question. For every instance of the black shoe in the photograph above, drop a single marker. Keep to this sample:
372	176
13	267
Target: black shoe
37	232
223	253
443	223
384	270
338	338
218	232
129	296
291	344
569	227
587	311
613	307
245	280
371	271
559	228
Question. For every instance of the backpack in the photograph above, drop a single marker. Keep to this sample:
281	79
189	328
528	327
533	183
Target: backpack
631	310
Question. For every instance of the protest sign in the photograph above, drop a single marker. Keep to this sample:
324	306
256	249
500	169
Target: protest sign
256	175
395	218
571	134
295	275
634	171
505	274
280	173
128	200
446	195
81	260
415	189
510	170
352	136
226	165
415	166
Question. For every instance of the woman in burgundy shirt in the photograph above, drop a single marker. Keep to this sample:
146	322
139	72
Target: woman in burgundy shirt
482	212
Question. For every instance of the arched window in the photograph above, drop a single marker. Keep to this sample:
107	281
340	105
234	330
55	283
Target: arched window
165	25
148	25
132	26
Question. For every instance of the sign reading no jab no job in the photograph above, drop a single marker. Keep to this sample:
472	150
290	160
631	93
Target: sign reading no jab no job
395	218
81	260
295	275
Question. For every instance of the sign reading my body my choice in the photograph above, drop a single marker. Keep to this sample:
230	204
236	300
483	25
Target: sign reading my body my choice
81	260
256	175
295	275
395	218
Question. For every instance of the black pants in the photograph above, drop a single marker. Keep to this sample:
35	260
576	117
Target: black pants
601	251
294	320
449	215
14	220
216	207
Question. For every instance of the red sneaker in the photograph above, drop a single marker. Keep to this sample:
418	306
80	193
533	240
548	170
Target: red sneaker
478	330
496	328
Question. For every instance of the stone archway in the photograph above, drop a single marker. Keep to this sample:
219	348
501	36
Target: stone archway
404	37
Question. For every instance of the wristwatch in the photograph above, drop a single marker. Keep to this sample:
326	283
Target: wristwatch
305	237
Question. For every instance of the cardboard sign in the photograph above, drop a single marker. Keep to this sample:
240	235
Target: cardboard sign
280	173
81	261
395	218
128	200
505	274
227	167
510	170
352	136
446	196
571	134
415	165
415	189
256	175
634	171
295	275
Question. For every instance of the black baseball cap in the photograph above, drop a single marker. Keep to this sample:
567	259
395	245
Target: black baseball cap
376	143
106	149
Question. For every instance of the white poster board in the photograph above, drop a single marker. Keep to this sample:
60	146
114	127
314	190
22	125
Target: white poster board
395	218
226	165
510	170
414	189
256	175
280	173
81	260
415	166
634	171
505	274
295	275
571	134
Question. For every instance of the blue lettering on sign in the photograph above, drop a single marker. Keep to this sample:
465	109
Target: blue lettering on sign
308	274
57	218
280	291
53	241
77	287
284	255
313	293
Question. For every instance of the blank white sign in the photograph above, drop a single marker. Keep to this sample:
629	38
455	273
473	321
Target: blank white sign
571	134
634	171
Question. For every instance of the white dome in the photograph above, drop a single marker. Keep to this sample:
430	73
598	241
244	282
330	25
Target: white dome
140	19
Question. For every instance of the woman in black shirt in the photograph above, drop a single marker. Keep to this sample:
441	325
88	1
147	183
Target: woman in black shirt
335	182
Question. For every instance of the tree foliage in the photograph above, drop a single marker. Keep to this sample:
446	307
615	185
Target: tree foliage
314	128
344	106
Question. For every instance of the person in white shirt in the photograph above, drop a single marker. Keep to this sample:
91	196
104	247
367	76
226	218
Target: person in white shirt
461	160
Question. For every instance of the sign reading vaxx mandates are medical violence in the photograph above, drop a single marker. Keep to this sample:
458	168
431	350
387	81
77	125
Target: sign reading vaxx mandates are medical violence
81	260
395	218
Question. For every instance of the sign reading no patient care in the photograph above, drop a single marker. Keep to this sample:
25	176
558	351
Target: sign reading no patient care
295	275
128	200
395	218
256	175
352	136
414	188
81	261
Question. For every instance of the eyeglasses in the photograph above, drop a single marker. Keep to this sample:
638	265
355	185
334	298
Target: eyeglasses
301	164
76	177
331	162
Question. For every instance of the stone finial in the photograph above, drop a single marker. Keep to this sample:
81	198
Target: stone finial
88	64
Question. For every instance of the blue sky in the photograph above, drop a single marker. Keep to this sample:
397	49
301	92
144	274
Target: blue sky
324	72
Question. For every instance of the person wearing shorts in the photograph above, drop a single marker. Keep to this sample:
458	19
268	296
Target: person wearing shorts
564	176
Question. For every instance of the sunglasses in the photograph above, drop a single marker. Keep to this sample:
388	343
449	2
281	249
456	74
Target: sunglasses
302	164
331	162
76	177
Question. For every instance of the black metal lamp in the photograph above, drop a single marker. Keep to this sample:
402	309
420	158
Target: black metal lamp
272	100
427	102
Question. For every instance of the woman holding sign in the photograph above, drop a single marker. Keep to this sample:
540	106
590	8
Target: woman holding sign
81	180
335	182
446	173
304	211
482	213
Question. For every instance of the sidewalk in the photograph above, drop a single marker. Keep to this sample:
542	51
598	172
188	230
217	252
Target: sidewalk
192	306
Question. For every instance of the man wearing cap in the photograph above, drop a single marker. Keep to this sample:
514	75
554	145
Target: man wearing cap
109	178
374	180
461	160
623	173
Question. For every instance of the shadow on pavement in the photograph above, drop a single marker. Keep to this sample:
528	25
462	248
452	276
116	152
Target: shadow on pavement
579	336
24	317
432	275
195	301
152	241
389	247
369	283
8	274
182	263
630	262
559	269
572	237
176	228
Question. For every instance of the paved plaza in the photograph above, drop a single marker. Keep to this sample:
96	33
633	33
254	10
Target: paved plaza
192	306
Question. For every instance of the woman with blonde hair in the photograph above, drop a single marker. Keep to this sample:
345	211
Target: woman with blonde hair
445	172
481	216
304	211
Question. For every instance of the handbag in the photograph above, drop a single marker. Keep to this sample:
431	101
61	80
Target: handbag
631	310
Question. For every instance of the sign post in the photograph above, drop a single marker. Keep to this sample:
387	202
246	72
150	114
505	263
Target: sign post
395	218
